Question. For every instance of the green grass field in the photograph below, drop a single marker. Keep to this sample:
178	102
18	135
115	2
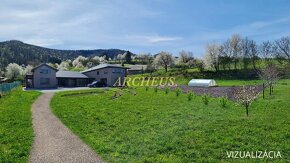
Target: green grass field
16	133
159	127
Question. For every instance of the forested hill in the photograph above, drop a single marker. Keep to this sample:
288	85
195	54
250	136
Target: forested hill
22	53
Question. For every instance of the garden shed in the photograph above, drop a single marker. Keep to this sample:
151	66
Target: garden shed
202	83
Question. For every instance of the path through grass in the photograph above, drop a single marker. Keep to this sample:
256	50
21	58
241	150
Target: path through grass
159	127
16	133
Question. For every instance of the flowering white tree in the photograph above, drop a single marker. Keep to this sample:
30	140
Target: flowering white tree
245	96
79	62
211	58
270	75
2	73
64	65
103	59
119	57
14	71
27	70
164	59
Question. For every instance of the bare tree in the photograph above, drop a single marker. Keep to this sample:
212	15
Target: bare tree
226	54
283	48
164	59
270	75
235	48
245	96
186	58
222	58
212	55
245	52
253	53
266	50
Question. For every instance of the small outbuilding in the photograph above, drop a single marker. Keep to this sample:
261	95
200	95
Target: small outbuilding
202	83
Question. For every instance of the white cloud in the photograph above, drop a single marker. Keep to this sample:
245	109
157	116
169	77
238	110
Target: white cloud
73	23
152	39
157	39
44	42
126	24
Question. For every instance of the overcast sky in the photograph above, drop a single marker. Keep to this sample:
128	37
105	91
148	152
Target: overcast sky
141	26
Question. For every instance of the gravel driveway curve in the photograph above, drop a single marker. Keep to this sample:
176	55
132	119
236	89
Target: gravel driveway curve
53	141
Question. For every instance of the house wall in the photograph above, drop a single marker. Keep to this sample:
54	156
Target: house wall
38	77
112	74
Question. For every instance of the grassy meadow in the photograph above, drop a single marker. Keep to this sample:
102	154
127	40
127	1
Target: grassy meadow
16	133
147	126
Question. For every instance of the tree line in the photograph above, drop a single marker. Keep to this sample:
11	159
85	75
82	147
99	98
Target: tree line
235	53
242	52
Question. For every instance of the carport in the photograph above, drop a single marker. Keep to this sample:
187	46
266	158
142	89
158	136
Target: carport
71	79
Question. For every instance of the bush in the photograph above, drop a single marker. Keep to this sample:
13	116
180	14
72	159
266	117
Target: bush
155	89
205	99
166	90
177	92
146	88
189	96
223	102
117	94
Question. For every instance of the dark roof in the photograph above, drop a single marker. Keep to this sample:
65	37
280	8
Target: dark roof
70	74
101	66
44	64
137	67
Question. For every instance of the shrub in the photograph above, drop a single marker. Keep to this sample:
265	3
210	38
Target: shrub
189	96
133	92
117	94
146	88
155	89
205	99
177	92
223	102
166	90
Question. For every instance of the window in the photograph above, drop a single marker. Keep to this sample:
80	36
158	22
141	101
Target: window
44	71
44	81
98	72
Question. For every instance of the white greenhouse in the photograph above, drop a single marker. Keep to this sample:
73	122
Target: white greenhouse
202	83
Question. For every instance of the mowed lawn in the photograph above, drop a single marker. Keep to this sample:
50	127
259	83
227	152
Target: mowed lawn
16	133
159	127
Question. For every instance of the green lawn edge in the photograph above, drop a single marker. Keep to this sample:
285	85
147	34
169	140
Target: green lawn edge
16	132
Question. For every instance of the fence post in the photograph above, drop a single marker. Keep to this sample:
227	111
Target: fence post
263	90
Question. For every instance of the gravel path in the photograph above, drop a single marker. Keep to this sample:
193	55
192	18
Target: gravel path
53	141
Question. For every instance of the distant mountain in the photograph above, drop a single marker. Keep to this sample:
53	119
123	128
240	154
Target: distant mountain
22	53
